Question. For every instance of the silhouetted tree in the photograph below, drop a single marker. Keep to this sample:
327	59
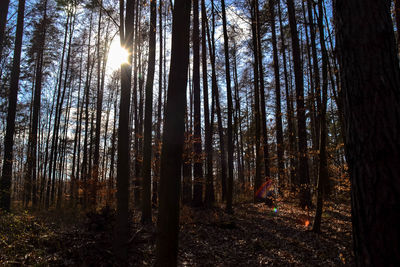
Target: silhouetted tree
370	79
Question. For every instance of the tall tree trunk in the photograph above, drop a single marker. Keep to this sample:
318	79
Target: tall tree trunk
171	157
5	182
305	195
77	137
50	193
198	161
289	106
215	93
370	79
229	191
112	160
99	107
32	150
123	163
146	194
262	94
316	96
208	128
156	176
278	110
237	118
323	165
256	109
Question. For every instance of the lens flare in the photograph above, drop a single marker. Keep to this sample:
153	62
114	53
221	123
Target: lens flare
275	209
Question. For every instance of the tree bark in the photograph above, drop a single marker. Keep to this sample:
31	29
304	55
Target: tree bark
370	79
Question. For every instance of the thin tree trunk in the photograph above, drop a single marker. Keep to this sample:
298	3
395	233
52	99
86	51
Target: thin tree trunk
289	106
146	194
229	191
323	165
157	155
256	109
197	147
208	128
96	158
215	93
262	95
278	110
305	195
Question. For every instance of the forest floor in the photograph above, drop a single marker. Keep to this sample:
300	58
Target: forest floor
256	235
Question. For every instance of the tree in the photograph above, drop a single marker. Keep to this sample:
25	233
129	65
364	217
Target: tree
5	182
262	91
146	195
229	191
323	161
99	108
370	79
278	110
397	13
174	127
304	179
209	194
3	20
215	95
123	166
198	161
256	109
289	103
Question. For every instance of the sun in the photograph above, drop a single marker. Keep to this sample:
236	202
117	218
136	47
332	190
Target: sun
117	55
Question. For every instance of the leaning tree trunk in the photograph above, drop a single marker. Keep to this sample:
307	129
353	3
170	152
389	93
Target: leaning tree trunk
371	85
171	155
